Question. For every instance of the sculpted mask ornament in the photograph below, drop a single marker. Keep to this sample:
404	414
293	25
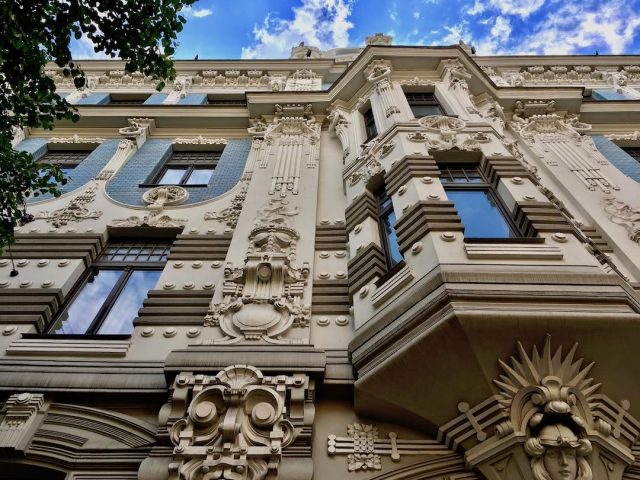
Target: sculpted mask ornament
551	422
558	454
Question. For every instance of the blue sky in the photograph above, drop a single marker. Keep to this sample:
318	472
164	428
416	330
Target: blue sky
221	29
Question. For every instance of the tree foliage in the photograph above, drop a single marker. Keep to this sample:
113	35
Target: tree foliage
142	33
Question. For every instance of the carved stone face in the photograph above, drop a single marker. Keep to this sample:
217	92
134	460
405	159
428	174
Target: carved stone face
561	463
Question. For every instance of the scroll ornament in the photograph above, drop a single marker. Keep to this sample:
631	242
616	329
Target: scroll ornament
235	425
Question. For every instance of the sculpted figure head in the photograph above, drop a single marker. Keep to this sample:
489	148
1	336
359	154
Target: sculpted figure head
558	454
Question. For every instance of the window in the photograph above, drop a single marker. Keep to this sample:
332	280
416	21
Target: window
109	297
67	160
423	104
477	202
116	99
386	221
633	152
370	125
188	168
227	102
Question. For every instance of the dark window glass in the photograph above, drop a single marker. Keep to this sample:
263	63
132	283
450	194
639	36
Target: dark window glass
480	214
227	102
108	300
476	201
126	101
460	173
633	152
423	104
67	160
370	125
188	168
386	221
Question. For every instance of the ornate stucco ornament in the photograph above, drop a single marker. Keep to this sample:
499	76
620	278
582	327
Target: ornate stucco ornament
75	139
235	425
263	299
378	72
622	214
551	423
75	211
157	199
364	448
232	78
295	137
442	133
199	140
230	214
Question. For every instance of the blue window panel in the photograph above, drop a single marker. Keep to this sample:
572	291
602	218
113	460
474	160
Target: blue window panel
83	310
88	168
35	146
125	309
618	157
609	94
155	99
480	215
193	99
94	99
149	160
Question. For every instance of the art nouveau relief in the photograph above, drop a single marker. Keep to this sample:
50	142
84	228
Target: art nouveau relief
294	139
551	422
263	299
556	137
76	210
236	425
622	214
157	199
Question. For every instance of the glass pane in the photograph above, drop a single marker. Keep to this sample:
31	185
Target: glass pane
420	111
172	176
480	215
392	240
78	316
200	176
125	308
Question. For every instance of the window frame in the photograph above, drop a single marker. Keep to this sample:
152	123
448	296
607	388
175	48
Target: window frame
423	103
190	168
381	196
62	164
483	186
128	267
370	133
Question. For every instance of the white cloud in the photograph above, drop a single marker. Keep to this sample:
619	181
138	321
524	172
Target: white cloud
495	41
478	7
456	33
320	23
416	15
523	8
571	28
189	11
202	12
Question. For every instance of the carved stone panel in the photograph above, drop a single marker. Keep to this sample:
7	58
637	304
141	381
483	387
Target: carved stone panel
237	424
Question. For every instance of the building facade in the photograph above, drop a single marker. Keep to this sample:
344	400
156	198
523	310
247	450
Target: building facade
381	263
